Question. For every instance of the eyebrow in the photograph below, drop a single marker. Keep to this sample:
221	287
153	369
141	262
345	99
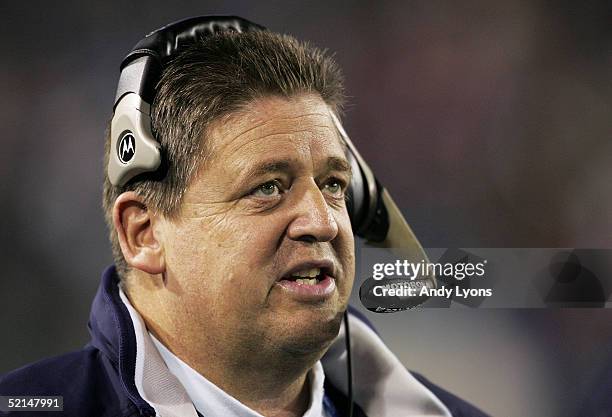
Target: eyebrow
269	167
334	163
338	164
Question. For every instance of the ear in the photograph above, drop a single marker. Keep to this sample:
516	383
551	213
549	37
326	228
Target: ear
135	227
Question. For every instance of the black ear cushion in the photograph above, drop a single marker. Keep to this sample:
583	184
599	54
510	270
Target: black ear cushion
377	226
356	196
368	214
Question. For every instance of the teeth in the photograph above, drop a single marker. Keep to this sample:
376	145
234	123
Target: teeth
305	281
307	273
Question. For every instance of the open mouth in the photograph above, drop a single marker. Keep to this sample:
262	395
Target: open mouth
311	276
309	283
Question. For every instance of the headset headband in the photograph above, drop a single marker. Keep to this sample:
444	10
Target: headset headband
136	150
141	68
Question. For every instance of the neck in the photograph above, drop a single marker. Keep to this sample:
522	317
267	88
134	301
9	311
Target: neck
273	386
279	400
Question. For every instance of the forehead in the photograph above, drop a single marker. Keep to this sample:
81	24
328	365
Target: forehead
296	125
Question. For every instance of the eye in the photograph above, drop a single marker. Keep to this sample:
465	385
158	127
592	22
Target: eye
335	187
268	189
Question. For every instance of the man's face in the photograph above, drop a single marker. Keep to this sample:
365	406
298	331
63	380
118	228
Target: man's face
267	205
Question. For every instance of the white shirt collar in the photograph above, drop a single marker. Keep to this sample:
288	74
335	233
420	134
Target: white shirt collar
211	400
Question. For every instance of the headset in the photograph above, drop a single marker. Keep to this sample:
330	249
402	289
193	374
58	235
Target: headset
134	149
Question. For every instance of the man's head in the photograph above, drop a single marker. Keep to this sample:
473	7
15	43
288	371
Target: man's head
252	193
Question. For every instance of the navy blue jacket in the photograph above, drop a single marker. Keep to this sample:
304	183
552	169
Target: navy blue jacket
98	380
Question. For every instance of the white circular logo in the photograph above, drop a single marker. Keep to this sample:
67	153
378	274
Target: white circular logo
126	147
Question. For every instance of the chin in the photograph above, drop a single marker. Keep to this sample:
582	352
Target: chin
311	334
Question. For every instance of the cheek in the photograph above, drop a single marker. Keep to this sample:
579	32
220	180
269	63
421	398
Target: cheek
217	252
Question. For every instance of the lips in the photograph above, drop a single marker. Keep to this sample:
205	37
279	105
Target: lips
309	281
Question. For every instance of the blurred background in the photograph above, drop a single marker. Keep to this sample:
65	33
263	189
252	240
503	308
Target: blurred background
490	123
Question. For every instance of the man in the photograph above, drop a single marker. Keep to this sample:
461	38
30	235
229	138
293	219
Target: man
234	253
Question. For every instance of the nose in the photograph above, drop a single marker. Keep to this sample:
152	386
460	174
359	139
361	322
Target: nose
313	220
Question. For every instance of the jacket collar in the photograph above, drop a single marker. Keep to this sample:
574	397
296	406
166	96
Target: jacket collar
112	332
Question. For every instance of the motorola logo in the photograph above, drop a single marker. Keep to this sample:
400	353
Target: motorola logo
126	148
